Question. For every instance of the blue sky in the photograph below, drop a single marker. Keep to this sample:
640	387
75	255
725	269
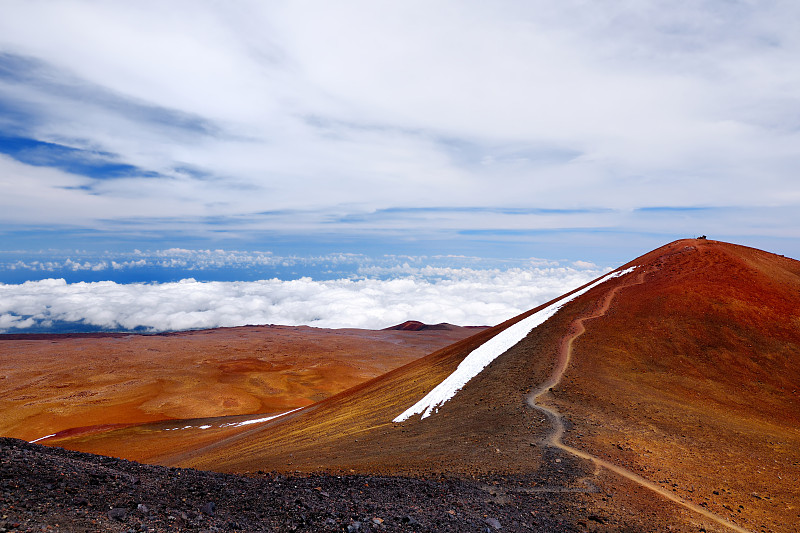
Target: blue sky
573	131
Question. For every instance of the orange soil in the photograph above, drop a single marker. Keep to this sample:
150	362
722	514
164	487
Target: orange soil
692	381
328	435
486	427
54	383
555	437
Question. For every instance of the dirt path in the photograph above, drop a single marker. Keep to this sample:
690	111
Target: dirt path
555	417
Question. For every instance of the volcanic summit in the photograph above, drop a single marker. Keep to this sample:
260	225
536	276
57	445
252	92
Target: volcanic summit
682	371
662	396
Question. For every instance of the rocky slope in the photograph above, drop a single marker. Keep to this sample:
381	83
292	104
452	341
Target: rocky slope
51	489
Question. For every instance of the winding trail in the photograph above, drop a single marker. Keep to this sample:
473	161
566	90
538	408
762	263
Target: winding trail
557	420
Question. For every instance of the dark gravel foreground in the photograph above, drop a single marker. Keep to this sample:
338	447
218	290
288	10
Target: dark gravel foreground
51	489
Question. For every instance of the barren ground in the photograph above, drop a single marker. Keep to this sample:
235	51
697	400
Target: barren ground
88	383
684	374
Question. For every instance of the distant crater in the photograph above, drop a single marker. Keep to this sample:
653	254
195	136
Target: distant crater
415	325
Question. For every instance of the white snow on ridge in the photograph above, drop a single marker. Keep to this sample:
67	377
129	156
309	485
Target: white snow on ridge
231	424
257	420
42	438
484	354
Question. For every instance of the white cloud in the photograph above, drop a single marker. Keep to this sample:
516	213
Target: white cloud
352	107
458	296
10	320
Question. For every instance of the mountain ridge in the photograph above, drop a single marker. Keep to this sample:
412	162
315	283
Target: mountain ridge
629	395
662	398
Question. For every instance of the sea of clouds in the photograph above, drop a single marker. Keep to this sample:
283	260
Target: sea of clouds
379	297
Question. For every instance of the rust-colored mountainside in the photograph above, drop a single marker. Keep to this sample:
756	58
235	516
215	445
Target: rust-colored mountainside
80	385
667	397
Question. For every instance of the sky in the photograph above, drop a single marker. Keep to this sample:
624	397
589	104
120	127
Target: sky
468	135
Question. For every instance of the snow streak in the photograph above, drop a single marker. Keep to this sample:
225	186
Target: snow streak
480	358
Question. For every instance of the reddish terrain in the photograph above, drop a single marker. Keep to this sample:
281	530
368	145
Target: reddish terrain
686	378
664	399
79	384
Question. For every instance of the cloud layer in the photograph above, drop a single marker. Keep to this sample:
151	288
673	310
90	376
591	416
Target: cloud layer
458	296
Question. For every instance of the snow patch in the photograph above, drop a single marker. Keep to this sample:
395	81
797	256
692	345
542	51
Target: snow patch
257	420
484	354
227	425
42	438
